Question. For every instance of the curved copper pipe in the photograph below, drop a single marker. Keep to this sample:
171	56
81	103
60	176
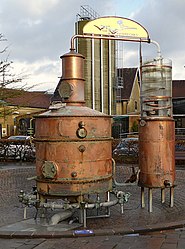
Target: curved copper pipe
105	38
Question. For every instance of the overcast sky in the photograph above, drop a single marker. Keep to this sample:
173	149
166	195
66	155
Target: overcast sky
39	31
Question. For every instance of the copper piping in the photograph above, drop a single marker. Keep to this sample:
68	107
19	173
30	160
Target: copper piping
154	98
110	80
105	38
158	47
158	107
148	102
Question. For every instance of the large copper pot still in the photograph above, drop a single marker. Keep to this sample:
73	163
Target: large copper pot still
73	142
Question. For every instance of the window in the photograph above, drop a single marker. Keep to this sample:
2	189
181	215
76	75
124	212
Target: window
135	105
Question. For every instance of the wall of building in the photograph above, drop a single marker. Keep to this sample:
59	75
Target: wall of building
9	123
134	101
121	107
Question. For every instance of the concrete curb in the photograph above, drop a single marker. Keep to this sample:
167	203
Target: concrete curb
97	232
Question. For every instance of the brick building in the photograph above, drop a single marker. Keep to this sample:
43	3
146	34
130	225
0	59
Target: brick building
18	108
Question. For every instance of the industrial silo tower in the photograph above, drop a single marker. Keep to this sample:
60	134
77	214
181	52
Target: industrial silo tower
99	66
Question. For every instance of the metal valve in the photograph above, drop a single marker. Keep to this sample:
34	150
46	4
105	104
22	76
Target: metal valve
81	131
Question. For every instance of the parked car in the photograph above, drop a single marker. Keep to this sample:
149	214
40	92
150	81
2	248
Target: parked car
128	150
19	148
127	146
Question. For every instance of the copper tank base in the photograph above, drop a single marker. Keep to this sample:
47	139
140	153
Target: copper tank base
74	188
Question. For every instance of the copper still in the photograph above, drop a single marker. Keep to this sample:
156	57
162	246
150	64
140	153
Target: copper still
73	142
156	130
74	162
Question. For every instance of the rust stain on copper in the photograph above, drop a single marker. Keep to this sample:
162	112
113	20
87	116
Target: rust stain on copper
157	154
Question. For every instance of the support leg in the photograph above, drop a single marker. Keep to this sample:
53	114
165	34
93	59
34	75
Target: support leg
25	212
98	201
162	195
82	204
84	218
150	200
108	199
142	198
43	211
81	216
171	196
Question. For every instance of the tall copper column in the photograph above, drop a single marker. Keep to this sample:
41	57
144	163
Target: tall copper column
156	130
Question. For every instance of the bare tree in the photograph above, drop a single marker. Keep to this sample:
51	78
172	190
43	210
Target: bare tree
8	82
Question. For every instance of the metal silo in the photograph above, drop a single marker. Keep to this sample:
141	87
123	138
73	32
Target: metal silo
99	69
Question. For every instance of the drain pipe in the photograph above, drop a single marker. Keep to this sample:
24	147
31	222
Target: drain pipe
31	200
76	205
101	204
118	184
53	205
158	47
56	218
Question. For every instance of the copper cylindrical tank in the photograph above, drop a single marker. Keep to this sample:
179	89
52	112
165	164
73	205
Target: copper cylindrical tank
72	77
81	165
73	142
157	153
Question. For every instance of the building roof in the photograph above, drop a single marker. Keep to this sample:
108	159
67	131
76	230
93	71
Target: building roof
35	99
56	96
128	76
42	99
178	88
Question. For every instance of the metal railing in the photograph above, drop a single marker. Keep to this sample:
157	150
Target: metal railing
180	131
16	150
128	134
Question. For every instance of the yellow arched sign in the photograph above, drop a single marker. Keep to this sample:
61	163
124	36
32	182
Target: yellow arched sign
117	27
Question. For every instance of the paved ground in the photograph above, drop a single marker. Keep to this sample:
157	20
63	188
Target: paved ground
146	230
156	240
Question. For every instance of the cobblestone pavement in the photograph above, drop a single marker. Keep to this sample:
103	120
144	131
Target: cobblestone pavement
13	178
